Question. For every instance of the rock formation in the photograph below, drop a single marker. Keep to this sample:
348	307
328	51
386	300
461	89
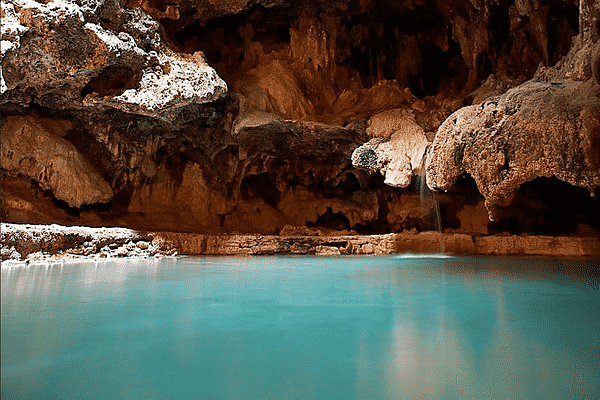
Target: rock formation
396	150
214	116
548	126
39	153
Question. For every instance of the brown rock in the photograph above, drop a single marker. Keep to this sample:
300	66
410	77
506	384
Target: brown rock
63	58
34	148
536	129
152	117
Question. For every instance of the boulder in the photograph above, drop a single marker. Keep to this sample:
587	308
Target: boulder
538	129
547	126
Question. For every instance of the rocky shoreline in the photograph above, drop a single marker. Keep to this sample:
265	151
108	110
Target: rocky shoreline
20	242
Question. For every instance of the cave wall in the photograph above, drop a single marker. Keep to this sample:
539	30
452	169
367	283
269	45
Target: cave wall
242	116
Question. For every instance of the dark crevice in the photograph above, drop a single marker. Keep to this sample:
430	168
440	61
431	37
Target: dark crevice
563	24
75	212
549	206
331	220
112	81
260	186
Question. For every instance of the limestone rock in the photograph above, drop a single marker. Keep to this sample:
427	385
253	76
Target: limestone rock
153	118
386	123
398	157
252	119
63	56
176	82
34	148
536	129
494	86
327	251
275	88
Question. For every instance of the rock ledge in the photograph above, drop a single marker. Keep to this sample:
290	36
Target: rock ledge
54	242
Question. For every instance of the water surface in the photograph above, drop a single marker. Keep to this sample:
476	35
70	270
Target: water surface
302	327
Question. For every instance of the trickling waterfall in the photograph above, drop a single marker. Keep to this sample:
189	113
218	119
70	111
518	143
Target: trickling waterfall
429	200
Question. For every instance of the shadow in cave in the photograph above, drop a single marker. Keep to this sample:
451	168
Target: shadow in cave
330	220
549	206
260	186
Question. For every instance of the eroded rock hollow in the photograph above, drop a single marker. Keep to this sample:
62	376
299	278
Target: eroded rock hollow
263	116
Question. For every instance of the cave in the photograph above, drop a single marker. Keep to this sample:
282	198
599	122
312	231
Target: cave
331	199
220	117
331	220
415	47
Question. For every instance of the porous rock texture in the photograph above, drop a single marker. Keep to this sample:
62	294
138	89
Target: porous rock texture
52	243
548	126
213	116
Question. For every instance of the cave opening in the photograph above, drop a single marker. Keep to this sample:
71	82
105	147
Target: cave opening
112	80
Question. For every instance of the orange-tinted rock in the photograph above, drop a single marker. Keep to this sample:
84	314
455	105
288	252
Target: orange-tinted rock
38	243
536	129
305	78
34	148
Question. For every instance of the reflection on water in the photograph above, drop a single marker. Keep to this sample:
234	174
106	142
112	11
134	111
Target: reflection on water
302	327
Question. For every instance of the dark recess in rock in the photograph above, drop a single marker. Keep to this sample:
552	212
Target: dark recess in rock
331	220
112	80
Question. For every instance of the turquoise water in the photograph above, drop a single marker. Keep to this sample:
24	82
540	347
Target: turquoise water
302	327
